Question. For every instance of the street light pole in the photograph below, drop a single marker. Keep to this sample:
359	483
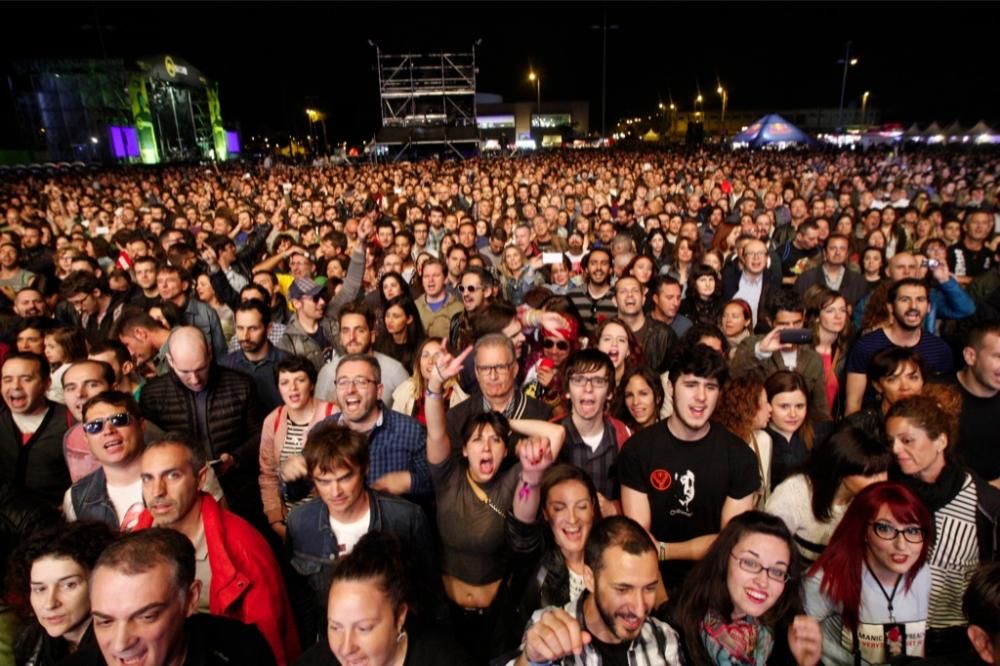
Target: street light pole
843	84
864	107
538	90
725	100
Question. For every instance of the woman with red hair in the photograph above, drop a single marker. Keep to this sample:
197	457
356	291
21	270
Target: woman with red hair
870	589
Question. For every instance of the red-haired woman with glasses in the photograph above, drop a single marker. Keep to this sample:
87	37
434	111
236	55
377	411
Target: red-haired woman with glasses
870	589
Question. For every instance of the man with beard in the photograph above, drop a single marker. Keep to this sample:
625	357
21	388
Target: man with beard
256	357
611	623
908	306
685	478
240	579
833	272
594	301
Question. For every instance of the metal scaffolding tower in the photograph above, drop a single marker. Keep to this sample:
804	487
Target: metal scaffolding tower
427	100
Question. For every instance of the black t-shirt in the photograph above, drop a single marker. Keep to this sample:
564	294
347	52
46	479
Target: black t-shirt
686	482
612	654
977	444
964	262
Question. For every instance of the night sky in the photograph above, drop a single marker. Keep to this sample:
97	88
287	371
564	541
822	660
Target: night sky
921	61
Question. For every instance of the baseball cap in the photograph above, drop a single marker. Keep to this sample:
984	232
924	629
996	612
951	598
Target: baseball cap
303	288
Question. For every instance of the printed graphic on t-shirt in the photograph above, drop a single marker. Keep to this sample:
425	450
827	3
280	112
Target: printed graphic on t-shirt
687	488
880	643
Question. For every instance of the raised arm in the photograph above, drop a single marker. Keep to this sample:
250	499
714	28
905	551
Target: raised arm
537	453
446	367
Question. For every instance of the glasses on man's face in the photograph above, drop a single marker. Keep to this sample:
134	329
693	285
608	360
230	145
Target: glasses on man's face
469	288
498	369
119	420
359	383
561	345
755	255
752	566
582	380
885	531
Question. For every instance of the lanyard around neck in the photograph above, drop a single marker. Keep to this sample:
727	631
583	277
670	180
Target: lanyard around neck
888	597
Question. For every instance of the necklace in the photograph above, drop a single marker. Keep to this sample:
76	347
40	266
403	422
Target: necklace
888	597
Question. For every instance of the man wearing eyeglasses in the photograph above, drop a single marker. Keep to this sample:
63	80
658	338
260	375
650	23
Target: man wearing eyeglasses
397	460
749	280
32	429
593	437
655	337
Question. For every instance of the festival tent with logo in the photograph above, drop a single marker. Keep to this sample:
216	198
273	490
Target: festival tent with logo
769	130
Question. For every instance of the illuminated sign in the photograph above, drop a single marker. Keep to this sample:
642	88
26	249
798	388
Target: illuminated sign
495	122
551	120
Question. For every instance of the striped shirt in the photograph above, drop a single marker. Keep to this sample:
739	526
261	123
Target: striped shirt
954	557
295	441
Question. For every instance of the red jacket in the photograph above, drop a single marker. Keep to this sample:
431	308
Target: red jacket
246	580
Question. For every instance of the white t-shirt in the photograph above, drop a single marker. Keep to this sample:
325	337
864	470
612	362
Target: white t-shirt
348	534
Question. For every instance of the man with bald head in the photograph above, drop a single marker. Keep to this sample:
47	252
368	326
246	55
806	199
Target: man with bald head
749	279
215	405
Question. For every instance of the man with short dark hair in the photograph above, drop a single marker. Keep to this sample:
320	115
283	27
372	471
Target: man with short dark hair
971	257
256	357
785	311
32	429
356	327
594	300
173	283
326	528
146	340
613	621
397	460
685	478
95	306
81	382
436	306
833	272
667	302
655	338
157	567
476	289
799	253
979	384
908	306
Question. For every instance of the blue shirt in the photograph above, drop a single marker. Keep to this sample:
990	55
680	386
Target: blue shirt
262	373
398	443
936	354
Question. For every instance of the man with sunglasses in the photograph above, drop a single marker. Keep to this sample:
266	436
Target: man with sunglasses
309	333
114	429
476	289
655	337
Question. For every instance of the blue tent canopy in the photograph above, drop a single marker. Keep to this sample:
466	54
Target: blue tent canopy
769	129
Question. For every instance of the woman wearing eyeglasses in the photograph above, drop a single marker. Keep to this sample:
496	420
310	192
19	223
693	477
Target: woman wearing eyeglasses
922	430
478	499
870	588
745	588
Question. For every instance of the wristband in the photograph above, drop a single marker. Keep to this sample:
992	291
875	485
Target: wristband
431	394
661	549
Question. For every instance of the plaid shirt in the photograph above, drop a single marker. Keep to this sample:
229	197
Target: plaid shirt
398	443
657	644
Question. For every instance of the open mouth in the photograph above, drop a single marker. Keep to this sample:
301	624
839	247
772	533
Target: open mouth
631	622
137	659
756	596
114	445
574	534
486	466
352	403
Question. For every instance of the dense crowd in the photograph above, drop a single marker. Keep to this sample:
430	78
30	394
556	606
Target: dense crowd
610	407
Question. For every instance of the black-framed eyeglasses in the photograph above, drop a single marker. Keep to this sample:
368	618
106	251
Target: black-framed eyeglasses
750	565
561	345
583	380
359	383
887	532
119	420
490	369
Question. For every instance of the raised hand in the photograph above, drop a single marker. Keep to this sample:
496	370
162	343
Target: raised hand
535	454
557	634
447	366
365	227
805	640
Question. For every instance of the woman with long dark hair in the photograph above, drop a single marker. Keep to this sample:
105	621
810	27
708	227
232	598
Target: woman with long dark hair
703	300
639	398
742	593
813	501
829	318
870	587
791	426
402	331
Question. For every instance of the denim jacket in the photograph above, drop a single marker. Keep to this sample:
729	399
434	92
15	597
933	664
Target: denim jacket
313	545
91	501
